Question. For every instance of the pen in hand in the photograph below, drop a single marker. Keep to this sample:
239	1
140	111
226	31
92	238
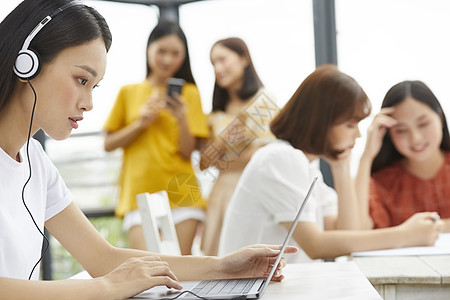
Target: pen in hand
435	218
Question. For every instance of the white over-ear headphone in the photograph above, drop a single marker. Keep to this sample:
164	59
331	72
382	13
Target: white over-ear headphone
27	64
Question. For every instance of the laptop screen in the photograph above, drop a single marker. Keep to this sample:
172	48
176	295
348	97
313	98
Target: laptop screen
161	292
288	237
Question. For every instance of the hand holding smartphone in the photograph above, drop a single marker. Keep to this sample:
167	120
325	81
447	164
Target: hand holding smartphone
174	103
174	85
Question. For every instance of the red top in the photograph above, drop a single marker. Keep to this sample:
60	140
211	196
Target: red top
395	194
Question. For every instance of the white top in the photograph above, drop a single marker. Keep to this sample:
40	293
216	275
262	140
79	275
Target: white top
269	192
45	195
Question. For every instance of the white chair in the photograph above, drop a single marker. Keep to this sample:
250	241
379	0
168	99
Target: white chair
157	222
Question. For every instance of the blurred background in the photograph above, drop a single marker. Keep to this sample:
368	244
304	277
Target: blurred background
378	42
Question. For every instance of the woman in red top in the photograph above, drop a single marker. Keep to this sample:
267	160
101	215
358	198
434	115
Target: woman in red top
405	167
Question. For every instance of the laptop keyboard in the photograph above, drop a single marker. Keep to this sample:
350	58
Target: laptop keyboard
223	287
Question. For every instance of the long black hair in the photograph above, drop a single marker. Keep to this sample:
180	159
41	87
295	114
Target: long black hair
419	91
251	82
165	28
74	26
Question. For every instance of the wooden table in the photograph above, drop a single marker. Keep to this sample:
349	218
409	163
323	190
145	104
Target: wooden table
311	281
408	277
316	281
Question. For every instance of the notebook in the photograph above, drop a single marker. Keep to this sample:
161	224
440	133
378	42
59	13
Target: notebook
242	288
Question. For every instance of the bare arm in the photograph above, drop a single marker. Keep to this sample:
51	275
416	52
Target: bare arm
210	153
375	134
213	155
130	278
446	225
419	230
123	137
186	141
362	188
348	212
125	272
76	233
250	261
218	152
243	158
63	289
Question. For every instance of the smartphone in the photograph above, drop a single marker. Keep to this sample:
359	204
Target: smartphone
174	85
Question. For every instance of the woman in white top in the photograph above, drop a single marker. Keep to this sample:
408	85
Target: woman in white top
72	40
319	121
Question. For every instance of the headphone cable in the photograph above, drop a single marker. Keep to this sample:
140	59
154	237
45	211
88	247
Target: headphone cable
46	242
200	297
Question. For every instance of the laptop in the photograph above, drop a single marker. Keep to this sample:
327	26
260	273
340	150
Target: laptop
242	288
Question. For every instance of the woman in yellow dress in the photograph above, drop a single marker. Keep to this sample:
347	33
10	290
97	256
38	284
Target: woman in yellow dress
158	133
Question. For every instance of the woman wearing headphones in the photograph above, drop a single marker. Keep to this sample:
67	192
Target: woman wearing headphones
72	41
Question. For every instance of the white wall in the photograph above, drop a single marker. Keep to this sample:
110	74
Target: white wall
383	42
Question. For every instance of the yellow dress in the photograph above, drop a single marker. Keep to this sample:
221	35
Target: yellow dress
152	162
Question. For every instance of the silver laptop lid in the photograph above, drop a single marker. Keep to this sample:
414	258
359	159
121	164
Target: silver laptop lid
161	292
288	237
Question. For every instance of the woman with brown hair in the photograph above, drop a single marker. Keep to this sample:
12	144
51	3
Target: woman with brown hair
237	131
319	121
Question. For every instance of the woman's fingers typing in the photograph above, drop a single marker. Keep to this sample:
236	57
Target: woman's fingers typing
139	274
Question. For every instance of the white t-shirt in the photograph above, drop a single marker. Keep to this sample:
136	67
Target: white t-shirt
45	195
270	191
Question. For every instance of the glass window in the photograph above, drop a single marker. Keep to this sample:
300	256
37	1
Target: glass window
381	43
279	35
